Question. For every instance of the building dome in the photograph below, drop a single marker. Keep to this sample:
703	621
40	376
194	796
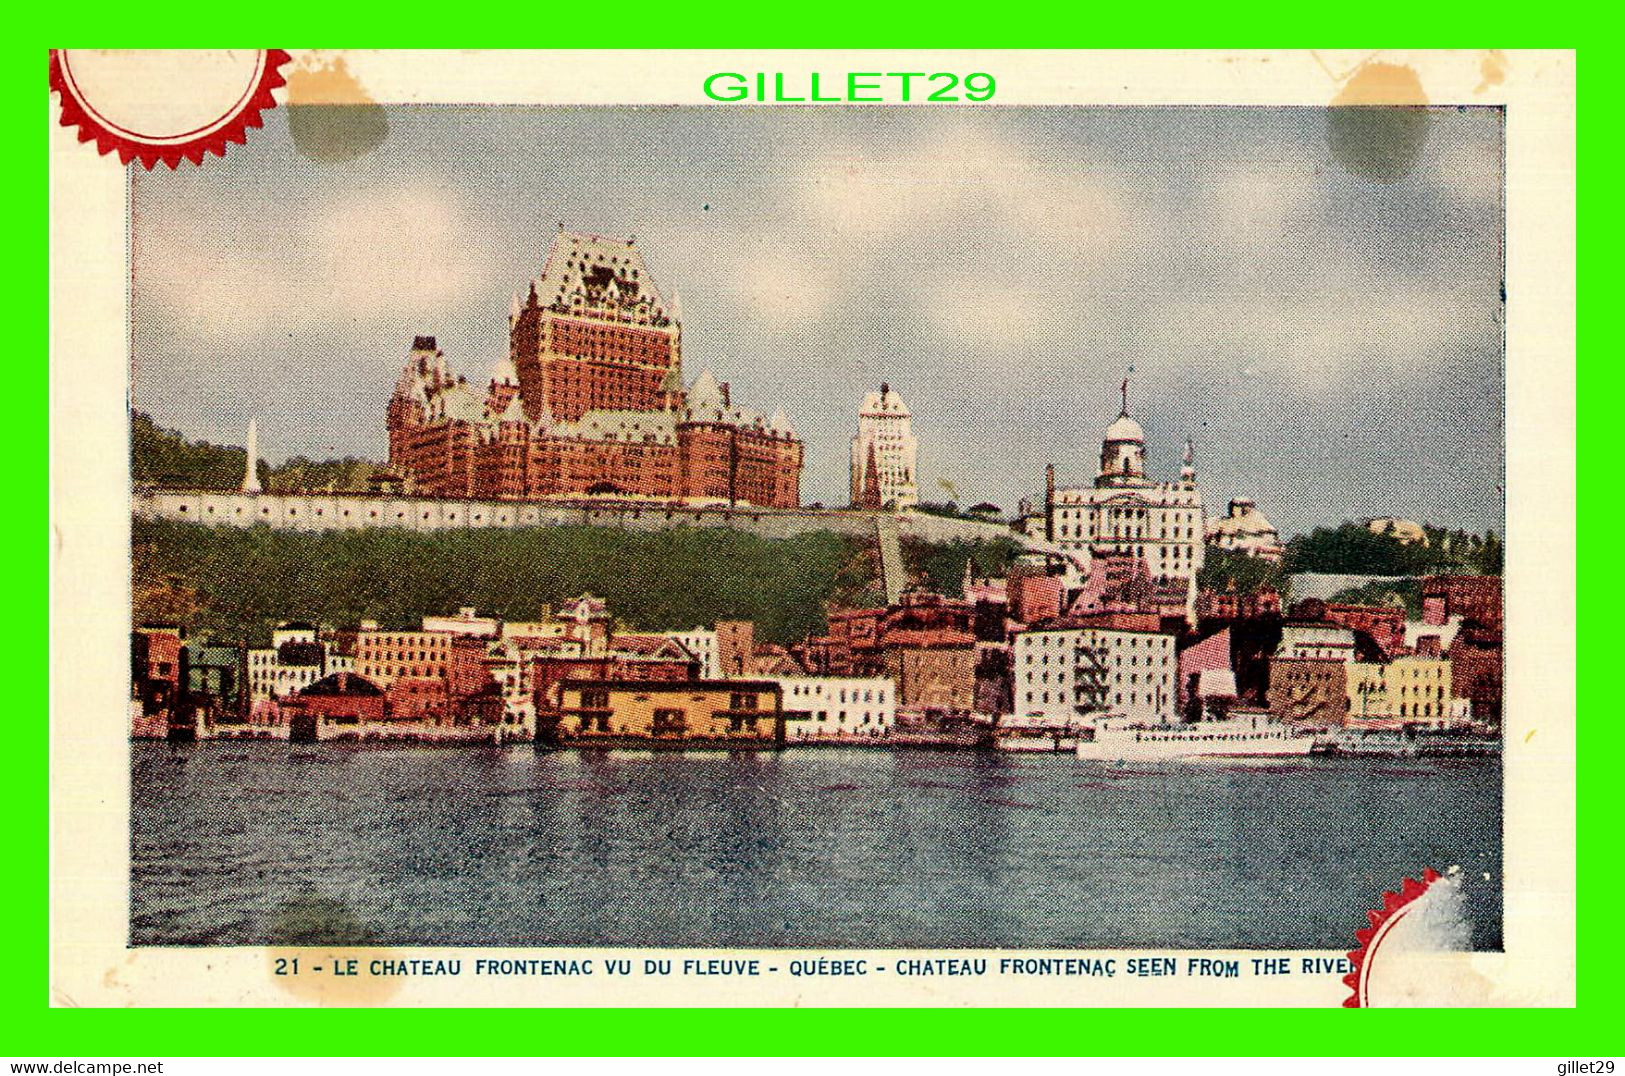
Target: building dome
1244	518
1124	428
1245	530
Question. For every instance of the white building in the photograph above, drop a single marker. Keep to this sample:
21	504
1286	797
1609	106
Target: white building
1066	674
467	622
509	666
702	643
1245	530
1126	512
883	453
295	659
823	707
1316	641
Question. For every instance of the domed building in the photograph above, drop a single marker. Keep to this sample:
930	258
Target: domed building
1127	513
1245	530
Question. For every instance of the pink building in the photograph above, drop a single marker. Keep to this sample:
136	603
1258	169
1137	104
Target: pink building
1208	656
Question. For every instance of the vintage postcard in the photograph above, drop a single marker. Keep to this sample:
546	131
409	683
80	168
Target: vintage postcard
813	529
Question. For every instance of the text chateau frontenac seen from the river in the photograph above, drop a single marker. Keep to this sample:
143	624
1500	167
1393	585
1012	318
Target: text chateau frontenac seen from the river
1085	624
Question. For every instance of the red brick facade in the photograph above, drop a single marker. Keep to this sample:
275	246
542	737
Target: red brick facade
590	401
1384	623
1471	597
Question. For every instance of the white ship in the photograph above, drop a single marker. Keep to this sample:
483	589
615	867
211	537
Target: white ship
1114	740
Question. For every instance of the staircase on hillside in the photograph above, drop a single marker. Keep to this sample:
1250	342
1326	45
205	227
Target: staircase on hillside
893	576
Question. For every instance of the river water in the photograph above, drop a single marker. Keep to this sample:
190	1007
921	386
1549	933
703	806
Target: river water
263	842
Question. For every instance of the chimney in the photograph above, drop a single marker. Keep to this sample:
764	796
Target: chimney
423	343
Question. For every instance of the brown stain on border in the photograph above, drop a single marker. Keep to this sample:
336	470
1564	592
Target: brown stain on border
1492	70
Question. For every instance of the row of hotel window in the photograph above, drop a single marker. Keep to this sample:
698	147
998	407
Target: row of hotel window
869	694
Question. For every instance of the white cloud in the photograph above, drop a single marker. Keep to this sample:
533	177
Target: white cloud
1251	204
1340	332
967	179
858	228
376	254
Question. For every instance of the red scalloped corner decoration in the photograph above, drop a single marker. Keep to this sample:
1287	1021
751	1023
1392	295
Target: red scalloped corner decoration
1392	904
151	153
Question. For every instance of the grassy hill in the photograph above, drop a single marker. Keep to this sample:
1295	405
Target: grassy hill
238	583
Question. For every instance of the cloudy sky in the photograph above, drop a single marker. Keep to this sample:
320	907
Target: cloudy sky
1332	342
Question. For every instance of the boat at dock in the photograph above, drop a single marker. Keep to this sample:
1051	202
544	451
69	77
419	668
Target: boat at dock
1116	740
1409	742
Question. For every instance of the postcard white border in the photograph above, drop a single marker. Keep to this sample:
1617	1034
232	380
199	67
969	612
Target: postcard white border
90	531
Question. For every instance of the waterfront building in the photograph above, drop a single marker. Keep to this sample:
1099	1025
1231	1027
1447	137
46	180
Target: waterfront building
1476	670
382	657
421	699
653	656
508	669
155	666
1243	529
704	645
1196	662
340	699
884	453
692	713
1385	624
773	661
296	659
1126	512
1122	583
1411	689
1033	591
925	643
1315	640
1122	664
736	648
934	669
589	401
1309	689
1233	605
214	676
831	707
1416	630
583	622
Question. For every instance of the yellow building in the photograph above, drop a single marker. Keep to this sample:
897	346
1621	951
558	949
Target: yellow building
676	713
1409	690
